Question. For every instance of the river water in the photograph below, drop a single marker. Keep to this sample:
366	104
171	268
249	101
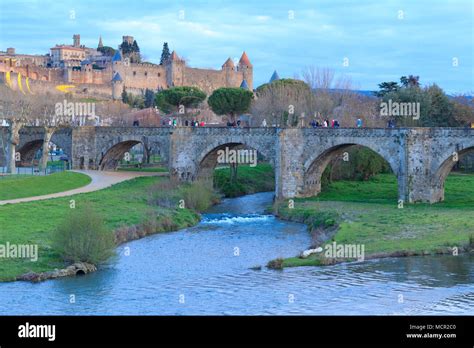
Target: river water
206	270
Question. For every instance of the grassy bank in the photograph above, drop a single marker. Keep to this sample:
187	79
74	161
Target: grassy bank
260	178
367	213
18	186
123	205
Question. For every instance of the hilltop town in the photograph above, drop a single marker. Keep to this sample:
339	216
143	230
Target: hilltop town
106	72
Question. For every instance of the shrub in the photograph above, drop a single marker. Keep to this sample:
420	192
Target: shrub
197	196
276	264
83	236
164	194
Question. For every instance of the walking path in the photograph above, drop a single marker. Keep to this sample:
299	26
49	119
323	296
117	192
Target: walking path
100	180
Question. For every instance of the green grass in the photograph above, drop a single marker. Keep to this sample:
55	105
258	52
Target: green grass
260	178
124	204
20	186
367	213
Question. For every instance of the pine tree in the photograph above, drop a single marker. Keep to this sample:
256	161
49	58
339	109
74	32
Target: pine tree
135	47
165	54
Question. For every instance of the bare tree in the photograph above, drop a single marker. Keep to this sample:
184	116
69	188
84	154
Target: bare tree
16	111
19	110
282	103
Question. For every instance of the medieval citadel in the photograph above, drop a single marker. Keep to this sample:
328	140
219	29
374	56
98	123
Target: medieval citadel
106	73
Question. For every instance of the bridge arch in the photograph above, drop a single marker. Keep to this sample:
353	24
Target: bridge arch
113	149
315	165
27	152
443	170
30	145
210	160
115	154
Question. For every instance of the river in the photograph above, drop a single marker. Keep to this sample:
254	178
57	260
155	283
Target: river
207	269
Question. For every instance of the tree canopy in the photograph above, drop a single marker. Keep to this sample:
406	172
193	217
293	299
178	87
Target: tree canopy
284	83
106	51
230	101
436	108
172	98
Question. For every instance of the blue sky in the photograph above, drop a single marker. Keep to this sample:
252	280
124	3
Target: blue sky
382	39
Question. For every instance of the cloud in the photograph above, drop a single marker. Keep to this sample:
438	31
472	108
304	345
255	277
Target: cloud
368	32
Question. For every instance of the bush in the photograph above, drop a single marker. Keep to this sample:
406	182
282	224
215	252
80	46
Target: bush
197	196
275	264
83	236
164	194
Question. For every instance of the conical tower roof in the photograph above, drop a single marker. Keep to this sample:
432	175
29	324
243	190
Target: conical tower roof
274	77
244	60
228	63
174	56
244	85
117	78
117	56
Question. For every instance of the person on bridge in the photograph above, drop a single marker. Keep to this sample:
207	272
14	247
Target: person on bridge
359	123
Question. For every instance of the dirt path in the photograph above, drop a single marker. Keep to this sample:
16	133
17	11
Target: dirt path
100	180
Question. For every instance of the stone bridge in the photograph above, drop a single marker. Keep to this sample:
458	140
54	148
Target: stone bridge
421	158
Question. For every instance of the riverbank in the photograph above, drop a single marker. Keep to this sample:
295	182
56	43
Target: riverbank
366	213
129	209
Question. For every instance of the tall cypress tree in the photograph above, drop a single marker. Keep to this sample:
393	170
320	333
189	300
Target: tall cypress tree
165	54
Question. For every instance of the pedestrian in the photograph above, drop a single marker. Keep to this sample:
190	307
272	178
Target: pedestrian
359	123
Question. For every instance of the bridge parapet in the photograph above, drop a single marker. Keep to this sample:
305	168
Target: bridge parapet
421	158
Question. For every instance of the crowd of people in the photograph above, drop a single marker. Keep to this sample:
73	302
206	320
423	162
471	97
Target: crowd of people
325	124
173	122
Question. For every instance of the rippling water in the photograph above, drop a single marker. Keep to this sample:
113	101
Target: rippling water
206	270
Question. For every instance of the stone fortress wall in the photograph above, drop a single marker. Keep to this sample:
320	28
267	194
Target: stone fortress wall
134	77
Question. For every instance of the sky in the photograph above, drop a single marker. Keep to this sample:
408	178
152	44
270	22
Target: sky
368	41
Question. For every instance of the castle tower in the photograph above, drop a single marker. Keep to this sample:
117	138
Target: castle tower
175	70
229	69
76	40
117	86
127	38
247	70
100	42
86	69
